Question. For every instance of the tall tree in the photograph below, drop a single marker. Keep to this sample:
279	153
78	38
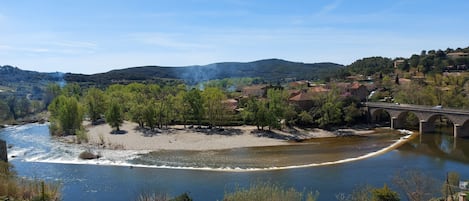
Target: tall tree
194	99
95	101
277	105
66	116
213	103
52	90
329	109
114	115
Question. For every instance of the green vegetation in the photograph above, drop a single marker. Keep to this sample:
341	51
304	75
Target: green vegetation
269	191
369	193
66	116
15	188
114	115
369	66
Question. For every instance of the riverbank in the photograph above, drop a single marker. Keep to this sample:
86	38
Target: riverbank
177	137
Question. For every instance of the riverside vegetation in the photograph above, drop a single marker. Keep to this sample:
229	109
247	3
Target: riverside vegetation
14	188
415	186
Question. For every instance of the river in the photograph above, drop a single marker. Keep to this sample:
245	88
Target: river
123	175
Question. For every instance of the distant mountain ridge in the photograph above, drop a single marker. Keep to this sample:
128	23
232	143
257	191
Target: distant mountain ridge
269	70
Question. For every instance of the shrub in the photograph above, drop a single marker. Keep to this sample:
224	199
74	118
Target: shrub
269	191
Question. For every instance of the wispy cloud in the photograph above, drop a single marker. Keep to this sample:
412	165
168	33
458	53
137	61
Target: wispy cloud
329	7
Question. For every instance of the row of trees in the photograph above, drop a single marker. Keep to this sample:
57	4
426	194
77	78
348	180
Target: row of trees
152	106
434	60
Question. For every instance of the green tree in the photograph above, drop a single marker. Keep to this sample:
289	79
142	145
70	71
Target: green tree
256	111
72	89
181	107
351	113
137	114
150	114
52	90
213	102
95	101
329	109
4	111
66	116
277	105
414	61
196	104
304	118
384	194
114	115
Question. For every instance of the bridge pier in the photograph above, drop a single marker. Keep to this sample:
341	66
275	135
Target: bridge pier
396	123
425	127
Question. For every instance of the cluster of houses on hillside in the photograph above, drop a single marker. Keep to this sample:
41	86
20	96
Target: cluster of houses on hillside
302	93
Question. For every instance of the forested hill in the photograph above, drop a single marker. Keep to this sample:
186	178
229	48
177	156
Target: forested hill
269	70
10	76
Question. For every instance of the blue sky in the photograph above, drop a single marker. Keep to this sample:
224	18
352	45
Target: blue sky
91	36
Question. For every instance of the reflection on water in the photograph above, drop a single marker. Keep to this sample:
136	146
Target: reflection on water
440	144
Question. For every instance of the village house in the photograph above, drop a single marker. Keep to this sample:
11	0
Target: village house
304	99
258	90
355	89
255	90
398	62
231	105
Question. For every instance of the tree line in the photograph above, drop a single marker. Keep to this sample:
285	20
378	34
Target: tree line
152	106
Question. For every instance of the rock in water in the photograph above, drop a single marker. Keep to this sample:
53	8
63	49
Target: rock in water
88	155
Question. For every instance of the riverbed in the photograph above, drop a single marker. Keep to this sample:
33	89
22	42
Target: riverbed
122	175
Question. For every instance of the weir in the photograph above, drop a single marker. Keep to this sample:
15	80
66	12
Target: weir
3	151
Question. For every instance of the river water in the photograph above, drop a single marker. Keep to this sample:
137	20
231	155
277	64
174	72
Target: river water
329	166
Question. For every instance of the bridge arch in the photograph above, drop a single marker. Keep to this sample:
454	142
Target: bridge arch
408	120
380	115
430	123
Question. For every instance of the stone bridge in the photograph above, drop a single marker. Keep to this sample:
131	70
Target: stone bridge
426	115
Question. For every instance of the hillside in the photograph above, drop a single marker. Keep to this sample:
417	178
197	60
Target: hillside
23	82
269	70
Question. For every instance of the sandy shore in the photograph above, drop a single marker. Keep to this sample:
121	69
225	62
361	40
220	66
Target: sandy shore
180	138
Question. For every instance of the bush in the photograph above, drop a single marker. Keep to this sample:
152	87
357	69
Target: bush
268	191
14	188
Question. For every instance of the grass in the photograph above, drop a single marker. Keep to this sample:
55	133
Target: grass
14	188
